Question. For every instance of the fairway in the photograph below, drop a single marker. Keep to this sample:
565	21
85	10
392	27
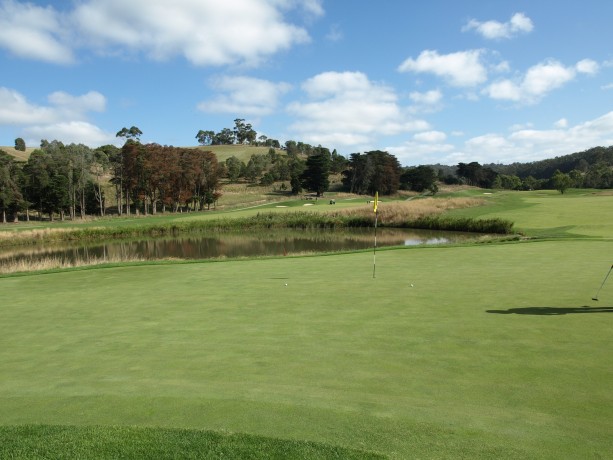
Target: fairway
496	351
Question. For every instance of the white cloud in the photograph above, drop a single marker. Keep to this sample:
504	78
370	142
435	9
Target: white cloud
493	30
431	97
535	84
245	95
502	67
16	110
205	32
587	66
523	143
312	7
608	86
520	126
415	153
463	68
34	32
78	132
91	101
64	119
430	137
526	145
346	109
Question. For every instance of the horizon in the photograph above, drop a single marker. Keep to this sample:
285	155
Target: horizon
441	83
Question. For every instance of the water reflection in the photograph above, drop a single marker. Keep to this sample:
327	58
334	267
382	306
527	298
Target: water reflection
233	245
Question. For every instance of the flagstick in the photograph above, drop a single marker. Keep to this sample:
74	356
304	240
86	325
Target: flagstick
374	257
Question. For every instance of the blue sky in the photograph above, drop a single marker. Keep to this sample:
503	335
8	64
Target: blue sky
430	82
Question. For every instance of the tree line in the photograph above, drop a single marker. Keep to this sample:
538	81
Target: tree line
592	168
74	180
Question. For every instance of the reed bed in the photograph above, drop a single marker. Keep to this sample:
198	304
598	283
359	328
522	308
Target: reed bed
400	212
54	263
426	214
39	234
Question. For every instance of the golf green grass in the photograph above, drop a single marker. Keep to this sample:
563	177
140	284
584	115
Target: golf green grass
487	351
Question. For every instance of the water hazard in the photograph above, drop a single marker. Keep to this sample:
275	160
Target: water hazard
232	245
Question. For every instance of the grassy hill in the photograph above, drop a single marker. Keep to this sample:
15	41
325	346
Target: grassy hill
242	152
21	156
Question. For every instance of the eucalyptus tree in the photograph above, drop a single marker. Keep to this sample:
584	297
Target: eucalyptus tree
244	132
225	137
104	162
80	160
11	198
48	180
37	178
125	167
132	133
207	180
205	137
60	193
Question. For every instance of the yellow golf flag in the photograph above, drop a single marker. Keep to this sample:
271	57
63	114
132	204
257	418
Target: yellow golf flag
376	201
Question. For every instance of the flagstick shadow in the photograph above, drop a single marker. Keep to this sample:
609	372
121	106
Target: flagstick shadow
552	310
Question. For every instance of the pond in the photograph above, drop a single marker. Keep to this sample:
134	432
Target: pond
232	245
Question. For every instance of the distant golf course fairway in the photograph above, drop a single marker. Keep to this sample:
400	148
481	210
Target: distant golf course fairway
477	351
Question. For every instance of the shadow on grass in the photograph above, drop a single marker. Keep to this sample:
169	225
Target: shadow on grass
552	310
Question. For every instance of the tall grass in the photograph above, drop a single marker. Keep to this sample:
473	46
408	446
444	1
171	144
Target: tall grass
462	224
426	214
54	263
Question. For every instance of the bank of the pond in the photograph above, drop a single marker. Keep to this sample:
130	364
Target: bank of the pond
297	220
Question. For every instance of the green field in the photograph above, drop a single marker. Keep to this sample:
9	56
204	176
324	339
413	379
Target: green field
478	351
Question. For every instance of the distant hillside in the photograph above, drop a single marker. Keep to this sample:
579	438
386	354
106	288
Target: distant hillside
544	169
223	152
242	152
21	156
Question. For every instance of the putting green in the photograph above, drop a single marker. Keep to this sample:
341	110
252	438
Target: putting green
496	350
